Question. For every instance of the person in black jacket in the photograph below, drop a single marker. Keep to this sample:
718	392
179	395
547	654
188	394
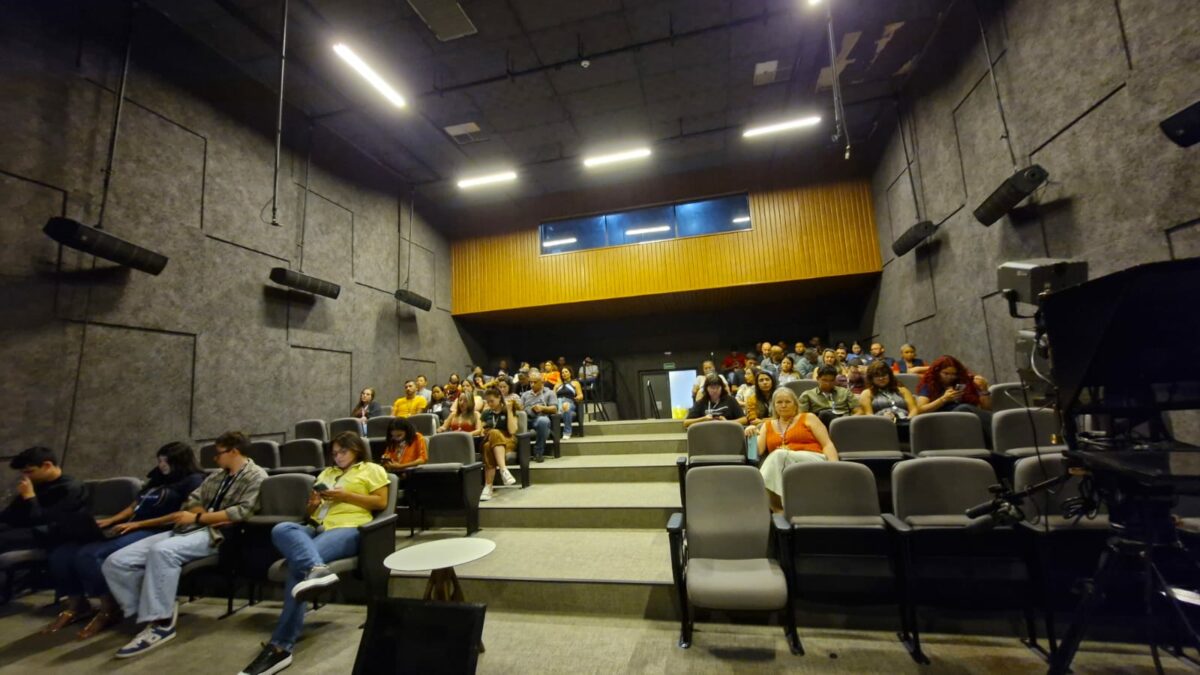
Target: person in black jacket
46	500
715	403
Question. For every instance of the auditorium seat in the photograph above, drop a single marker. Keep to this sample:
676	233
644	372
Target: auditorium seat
1007	396
451	480
725	564
867	439
208	458
314	429
909	381
342	425
947	434
521	455
303	455
716	442
426	424
264	454
801	386
1015	432
377	426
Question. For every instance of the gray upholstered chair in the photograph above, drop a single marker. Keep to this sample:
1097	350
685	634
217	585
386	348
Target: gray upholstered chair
947	434
208	457
909	381
425	423
712	443
802	385
343	424
868	439
451	480
930	498
1023	432
264	454
724	564
314	429
303	455
1008	396
377	426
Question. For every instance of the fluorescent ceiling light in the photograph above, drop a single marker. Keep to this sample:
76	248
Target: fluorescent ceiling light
485	180
648	230
742	219
782	126
369	75
599	160
813	3
559	242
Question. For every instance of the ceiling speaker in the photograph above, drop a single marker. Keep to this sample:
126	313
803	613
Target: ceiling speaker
302	282
103	245
913	236
1184	126
409	298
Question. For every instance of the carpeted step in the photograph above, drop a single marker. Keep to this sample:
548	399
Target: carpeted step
628	427
645	505
625	444
629	468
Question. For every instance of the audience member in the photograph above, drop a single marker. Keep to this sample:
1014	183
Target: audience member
856	378
409	404
886	397
76	565
797	354
476	371
499	420
746	389
829	401
504	385
773	361
787	371
452	387
790	437
550	374
144	576
589	374
479	382
764	353
715	403
843	365
706	368
467	390
406	448
878	353
367	408
807	363
502	369
423	388
464	416
758	402
814	343
908	361
732	366
438	405
46	501
342	499
570	395
856	354
539	403
522	382
948	386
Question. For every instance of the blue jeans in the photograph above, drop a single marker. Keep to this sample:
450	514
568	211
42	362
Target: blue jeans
569	410
76	567
540	425
304	549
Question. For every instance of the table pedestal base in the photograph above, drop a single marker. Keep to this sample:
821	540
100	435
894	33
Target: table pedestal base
443	586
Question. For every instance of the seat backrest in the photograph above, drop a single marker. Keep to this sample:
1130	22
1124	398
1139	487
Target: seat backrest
451	447
522	421
109	496
717	437
829	489
285	495
425	423
343	424
1007	396
861	433
405	635
264	453
208	456
909	381
377	426
1021	427
314	429
801	386
1031	470
946	431
302	452
940	486
728	516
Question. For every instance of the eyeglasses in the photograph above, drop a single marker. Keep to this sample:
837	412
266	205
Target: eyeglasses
223	452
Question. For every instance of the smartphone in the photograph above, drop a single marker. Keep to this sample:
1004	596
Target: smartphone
320	487
959	387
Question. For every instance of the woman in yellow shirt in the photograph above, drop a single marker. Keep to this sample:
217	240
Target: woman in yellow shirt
342	499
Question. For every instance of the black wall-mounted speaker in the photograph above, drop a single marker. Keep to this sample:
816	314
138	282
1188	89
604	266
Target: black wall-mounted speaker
409	298
1010	193
104	245
1184	126
913	236
302	282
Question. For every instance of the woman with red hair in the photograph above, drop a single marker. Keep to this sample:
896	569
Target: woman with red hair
948	386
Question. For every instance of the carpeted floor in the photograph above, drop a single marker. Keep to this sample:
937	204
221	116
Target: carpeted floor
531	643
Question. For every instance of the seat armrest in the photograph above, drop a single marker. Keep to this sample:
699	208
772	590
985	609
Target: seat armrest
376	540
381	522
473	466
681	461
895	524
675	523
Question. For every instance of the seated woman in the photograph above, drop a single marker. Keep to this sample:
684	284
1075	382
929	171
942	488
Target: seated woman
507	394
948	386
856	354
499	438
886	397
908	361
758	402
342	499
464	416
467	390
438	405
479	382
829	358
570	396
787	371
747	388
406	447
715	404
76	566
367	408
790	437
551	375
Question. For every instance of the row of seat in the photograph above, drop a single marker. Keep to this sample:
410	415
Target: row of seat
1005	395
833	541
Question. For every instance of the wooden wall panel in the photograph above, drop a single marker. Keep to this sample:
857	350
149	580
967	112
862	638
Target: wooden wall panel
799	233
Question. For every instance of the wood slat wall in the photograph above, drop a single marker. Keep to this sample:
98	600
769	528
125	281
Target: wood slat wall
799	233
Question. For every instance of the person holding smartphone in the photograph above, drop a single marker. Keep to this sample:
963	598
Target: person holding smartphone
948	386
715	403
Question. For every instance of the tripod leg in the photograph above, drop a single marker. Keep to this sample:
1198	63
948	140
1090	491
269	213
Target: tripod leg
1060	662
1160	586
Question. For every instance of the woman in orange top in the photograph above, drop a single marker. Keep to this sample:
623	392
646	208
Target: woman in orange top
790	437
551	375
405	448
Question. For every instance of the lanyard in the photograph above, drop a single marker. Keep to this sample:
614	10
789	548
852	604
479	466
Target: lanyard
226	483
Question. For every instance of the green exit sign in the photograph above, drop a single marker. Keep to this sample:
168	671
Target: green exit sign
669	365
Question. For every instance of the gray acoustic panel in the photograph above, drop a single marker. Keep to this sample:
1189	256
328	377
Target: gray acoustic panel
328	244
318	384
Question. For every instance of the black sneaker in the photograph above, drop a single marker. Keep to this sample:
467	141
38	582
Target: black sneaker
318	579
539	459
269	661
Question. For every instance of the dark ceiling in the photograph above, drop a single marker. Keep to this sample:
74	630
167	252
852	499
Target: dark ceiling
675	74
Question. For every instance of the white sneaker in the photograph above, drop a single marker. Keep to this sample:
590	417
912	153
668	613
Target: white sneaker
566	434
507	477
486	494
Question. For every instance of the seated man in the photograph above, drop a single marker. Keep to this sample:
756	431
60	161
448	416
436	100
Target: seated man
539	403
423	389
829	401
144	576
878	353
773	361
46	500
732	366
809	361
589	374
410	404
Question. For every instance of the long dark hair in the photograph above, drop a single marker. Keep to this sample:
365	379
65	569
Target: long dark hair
401	424
762	400
180	457
880	367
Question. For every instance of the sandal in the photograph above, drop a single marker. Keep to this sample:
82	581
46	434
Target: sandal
66	618
102	620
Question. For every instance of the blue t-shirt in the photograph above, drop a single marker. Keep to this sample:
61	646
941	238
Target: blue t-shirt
163	499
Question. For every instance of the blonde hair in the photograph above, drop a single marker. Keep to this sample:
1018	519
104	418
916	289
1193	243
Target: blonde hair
783	391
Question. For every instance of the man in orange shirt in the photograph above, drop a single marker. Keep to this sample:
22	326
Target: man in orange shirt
410	404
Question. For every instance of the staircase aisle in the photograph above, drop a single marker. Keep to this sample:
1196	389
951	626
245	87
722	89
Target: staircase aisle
588	537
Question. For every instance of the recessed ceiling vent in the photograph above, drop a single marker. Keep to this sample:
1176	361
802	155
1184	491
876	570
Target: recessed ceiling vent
465	133
769	72
445	18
